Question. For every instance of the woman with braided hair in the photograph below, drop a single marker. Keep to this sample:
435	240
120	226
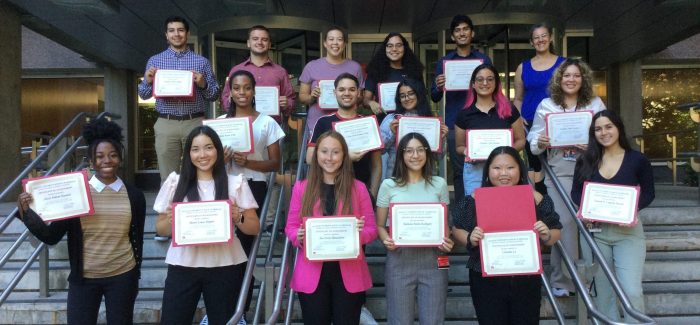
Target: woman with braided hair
104	249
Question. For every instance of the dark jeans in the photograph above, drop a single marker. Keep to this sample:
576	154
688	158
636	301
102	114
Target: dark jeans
506	299
220	287
259	189
533	162
457	161
119	291
331	302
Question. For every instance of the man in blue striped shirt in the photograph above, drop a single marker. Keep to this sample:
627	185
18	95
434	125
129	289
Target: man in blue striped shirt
177	116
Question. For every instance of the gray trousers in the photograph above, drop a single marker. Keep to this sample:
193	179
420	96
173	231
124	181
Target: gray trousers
412	276
564	169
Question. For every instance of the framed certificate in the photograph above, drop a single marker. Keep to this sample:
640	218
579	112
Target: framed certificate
568	128
361	134
609	203
429	127
173	83
480	143
267	100
235	132
458	73
61	196
418	224
202	223
387	95
510	253
331	238
327	99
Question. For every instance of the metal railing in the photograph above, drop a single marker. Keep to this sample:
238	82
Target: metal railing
672	139
596	315
41	251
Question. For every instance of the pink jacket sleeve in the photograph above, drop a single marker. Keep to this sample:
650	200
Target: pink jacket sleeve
294	221
369	231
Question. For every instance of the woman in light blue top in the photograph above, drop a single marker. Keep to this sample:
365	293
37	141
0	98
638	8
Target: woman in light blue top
410	101
412	272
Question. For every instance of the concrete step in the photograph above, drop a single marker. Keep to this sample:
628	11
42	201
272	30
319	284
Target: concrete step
153	272
664	215
27	308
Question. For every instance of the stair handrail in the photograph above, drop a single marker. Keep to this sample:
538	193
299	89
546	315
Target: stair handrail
596	315
248	276
8	189
42	247
284	263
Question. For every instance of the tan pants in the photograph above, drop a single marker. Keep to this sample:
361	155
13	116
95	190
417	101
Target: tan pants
170	141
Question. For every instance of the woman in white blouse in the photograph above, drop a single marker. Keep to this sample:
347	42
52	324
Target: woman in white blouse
571	89
214	271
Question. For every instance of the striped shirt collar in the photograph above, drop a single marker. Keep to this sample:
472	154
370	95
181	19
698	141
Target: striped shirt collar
99	186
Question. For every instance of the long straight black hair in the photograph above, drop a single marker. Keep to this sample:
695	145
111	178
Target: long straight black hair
400	174
187	186
422	107
589	161
504	150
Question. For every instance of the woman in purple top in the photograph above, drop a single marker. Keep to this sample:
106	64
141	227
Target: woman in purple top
326	68
610	159
531	81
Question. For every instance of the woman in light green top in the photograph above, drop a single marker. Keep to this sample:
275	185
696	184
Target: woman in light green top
412	272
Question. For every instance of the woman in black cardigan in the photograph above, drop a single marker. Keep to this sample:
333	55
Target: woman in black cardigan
104	249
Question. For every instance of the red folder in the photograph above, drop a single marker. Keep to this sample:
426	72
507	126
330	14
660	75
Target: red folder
505	208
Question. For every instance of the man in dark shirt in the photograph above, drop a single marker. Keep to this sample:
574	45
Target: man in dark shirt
462	33
367	165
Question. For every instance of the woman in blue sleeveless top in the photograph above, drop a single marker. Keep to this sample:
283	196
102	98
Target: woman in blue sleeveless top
531	81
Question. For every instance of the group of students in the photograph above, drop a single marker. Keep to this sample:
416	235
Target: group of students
106	248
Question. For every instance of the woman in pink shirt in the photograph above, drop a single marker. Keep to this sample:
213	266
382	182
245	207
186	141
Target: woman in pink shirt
330	291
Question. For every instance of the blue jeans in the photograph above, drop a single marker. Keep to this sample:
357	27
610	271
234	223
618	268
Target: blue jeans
624	249
472	176
457	161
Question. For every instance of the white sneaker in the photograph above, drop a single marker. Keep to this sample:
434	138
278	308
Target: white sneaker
559	292
205	321
366	317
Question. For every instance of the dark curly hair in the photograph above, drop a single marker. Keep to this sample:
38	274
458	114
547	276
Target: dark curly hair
378	67
103	130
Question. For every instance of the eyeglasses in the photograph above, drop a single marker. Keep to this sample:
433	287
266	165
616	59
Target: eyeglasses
488	80
411	151
410	94
539	37
397	46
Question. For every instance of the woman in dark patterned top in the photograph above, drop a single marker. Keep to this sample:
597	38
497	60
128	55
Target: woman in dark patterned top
610	159
104	249
504	299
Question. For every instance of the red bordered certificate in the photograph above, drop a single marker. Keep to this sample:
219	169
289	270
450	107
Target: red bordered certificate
173	84
331	238
235	132
327	100
61	196
361	134
566	129
267	100
609	203
480	143
429	127
458	73
387	95
418	224
202	223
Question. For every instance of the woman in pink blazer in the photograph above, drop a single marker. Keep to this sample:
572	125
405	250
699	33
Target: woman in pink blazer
330	291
